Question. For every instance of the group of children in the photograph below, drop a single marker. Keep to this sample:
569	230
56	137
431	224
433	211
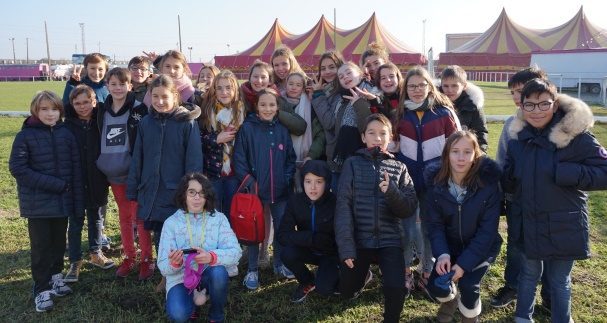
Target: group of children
354	166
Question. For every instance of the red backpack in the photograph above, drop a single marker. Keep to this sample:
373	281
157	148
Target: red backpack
246	215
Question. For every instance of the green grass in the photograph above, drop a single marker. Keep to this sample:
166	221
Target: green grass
100	297
17	96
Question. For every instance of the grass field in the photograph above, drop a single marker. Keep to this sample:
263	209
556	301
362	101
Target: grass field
16	96
99	297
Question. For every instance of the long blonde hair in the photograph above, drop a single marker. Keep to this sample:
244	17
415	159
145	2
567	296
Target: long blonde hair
435	97
208	108
472	178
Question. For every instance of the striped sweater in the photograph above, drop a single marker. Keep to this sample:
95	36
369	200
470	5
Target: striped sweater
422	139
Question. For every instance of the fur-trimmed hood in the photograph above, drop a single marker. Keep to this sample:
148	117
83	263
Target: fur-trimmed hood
577	118
489	172
184	112
475	94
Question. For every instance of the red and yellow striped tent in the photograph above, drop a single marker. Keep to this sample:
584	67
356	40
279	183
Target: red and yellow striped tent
507	46
308	46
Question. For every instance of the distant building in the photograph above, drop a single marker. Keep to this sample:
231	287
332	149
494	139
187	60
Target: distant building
454	41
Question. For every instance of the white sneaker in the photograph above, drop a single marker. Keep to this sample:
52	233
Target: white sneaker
284	272
59	288
43	301
232	270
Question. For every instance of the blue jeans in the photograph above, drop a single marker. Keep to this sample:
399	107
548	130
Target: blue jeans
225	187
513	265
179	302
558	273
278	210
94	219
416	237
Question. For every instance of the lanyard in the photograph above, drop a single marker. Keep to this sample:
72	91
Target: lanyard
204	224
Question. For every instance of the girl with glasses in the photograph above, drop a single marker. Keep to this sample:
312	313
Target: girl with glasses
425	120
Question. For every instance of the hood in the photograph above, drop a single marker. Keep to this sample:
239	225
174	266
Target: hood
185	112
33	122
475	94
489	172
318	168
577	118
129	103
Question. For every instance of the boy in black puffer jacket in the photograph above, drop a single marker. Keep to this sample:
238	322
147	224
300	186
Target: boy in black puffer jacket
307	233
46	164
375	192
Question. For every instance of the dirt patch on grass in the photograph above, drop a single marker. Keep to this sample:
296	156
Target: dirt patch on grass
9	213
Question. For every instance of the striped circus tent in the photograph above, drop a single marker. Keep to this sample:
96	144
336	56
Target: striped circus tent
507	46
323	36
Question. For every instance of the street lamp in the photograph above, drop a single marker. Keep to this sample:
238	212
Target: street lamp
190	49
14	56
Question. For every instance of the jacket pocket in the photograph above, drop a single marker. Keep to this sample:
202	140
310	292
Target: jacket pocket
568	233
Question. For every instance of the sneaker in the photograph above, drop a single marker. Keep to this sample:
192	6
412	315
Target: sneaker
368	279
146	269
283	271
106	243
251	280
59	288
232	270
422	284
125	268
301	292
72	274
504	296
43	301
100	260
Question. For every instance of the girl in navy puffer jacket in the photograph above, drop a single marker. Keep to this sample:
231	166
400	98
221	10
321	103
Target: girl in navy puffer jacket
462	217
264	150
46	164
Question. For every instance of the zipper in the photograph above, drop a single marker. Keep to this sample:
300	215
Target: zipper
271	176
459	212
376	197
313	218
162	125
56	159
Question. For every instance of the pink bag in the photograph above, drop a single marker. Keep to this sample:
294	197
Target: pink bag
191	277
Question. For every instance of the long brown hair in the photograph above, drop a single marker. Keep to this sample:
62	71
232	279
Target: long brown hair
338	59
435	97
208	108
472	178
285	51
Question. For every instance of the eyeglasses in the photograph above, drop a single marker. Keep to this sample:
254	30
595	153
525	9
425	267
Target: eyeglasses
543	106
193	193
413	87
138	69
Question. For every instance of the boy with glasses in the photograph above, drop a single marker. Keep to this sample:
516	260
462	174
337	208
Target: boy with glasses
139	67
507	293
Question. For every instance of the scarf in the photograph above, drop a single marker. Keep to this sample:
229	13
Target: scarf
412	106
184	87
220	120
301	144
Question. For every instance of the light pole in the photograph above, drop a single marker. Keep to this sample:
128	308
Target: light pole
27	50
82	30
424	37
14	56
228	48
190	49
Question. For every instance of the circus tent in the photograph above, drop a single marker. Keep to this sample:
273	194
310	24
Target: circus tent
323	36
507	46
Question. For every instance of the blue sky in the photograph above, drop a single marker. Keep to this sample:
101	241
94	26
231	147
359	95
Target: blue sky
124	28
